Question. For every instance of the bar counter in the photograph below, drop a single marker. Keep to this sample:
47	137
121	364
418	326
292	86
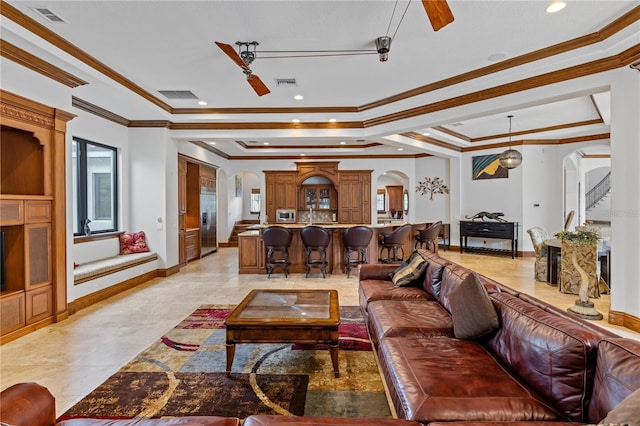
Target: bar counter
251	251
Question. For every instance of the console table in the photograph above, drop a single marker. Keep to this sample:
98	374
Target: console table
497	230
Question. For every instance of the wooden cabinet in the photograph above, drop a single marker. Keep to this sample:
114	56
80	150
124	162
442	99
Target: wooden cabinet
182	185
317	197
354	196
394	192
192	244
251	253
32	215
281	192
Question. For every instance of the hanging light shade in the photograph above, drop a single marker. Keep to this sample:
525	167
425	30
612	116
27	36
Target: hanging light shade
511	158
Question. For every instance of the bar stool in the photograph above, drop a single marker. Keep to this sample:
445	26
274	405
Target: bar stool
392	242
277	239
356	239
429	236
316	239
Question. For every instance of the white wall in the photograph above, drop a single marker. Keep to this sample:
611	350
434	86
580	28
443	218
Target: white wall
427	210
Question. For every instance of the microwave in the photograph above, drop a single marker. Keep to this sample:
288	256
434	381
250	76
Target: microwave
285	215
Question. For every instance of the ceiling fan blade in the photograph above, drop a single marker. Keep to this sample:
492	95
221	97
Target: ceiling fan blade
438	12
231	52
258	85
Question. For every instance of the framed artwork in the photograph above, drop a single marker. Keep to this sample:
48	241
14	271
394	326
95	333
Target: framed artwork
488	167
238	185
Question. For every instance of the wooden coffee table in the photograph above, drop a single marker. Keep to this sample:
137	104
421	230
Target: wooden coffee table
285	316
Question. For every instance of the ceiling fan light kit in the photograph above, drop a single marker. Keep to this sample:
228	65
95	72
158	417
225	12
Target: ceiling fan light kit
511	158
383	46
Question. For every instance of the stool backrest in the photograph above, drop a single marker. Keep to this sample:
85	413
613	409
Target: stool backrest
315	236
276	236
399	236
432	232
357	236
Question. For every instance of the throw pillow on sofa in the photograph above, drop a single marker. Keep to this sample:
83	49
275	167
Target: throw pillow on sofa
409	271
133	243
472	312
627	412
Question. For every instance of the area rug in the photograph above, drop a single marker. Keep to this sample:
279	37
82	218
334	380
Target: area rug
182	374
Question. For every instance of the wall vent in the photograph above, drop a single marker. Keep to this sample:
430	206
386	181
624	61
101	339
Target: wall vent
49	15
286	82
457	124
178	94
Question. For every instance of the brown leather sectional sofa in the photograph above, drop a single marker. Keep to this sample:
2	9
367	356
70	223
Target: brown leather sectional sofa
540	364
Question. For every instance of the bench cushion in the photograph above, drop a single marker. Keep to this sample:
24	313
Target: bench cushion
90	270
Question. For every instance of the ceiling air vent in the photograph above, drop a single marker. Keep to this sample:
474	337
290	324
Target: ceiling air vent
178	94
49	15
286	82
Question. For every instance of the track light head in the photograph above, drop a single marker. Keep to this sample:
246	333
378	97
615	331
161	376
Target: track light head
383	46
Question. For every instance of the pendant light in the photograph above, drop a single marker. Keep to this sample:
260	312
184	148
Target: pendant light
511	158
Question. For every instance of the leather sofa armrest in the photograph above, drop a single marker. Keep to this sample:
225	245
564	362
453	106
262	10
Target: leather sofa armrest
377	271
27	404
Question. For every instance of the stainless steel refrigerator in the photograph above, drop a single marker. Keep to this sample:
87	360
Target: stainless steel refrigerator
208	239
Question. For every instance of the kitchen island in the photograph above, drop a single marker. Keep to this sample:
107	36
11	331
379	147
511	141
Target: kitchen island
251	252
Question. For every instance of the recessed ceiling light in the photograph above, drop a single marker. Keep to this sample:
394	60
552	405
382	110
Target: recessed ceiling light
295	120
555	6
202	103
265	143
343	143
400	149
298	97
212	143
497	56
301	155
332	120
426	133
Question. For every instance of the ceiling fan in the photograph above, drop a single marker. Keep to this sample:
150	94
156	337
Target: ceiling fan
438	12
243	60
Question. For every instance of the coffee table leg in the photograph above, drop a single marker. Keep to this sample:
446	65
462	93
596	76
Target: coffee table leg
231	351
333	349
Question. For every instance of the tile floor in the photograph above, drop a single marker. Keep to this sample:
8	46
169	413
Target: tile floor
74	356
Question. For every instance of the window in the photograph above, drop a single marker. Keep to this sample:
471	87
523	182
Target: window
381	201
255	200
95	200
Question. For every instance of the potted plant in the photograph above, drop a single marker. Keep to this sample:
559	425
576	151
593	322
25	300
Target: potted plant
579	269
393	212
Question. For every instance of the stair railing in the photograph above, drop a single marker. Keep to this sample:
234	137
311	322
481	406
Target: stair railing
598	192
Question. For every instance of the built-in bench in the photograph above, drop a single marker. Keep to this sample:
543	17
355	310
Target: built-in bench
100	271
101	267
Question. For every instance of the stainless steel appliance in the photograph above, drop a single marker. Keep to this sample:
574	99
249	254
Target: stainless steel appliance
286	215
208	208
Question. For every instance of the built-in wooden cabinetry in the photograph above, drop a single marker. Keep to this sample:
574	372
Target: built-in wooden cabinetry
354	196
32	215
394	194
281	192
317	197
196	197
349	191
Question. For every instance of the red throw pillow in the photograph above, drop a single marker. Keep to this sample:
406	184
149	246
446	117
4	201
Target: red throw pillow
133	243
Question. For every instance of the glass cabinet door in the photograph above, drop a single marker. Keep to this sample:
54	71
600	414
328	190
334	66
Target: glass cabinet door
311	198
324	201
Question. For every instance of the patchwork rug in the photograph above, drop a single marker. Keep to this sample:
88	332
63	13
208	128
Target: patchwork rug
183	374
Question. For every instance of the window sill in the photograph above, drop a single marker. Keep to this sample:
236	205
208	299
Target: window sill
96	237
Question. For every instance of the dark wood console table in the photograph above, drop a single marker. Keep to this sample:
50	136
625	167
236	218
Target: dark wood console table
497	230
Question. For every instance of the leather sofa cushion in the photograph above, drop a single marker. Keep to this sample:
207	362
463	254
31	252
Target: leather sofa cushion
269	420
553	355
408	318
433	276
371	290
448	379
452	276
617	375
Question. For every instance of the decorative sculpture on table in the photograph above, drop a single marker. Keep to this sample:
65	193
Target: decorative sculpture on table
481	215
432	186
579	265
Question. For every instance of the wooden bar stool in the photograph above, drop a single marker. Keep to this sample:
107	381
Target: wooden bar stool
316	239
392	242
277	239
356	239
430	237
